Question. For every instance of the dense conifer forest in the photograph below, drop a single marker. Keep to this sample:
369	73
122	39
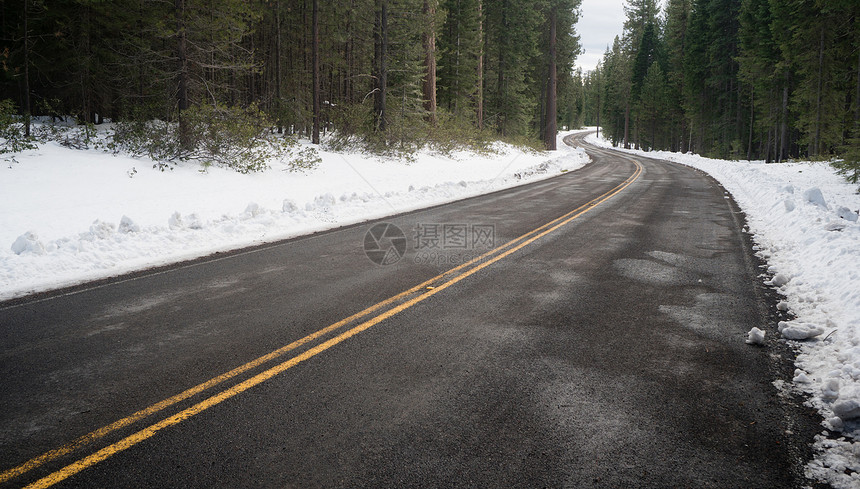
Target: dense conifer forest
387	71
745	79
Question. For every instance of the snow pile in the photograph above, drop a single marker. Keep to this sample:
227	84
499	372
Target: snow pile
69	216
755	337
804	219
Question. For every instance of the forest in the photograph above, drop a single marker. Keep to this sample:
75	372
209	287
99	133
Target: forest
377	73
741	79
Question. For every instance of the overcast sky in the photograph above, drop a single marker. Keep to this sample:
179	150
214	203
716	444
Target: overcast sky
600	22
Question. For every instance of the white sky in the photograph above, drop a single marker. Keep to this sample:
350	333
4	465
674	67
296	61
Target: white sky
600	22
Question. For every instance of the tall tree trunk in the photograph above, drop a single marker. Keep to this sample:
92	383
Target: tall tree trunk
783	121
26	97
277	12
502	126
429	44
315	48
479	109
627	125
350	63
752	122
381	63
182	56
857	101
816	148
598	105
552	89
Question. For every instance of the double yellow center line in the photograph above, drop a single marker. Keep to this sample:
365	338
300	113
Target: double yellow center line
377	313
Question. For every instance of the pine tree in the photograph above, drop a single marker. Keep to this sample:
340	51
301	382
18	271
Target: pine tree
617	89
677	22
460	48
652	102
511	29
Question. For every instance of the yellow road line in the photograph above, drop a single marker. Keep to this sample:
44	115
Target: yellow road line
106	452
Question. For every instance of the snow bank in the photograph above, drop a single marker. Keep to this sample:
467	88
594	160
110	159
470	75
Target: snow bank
70	216
804	219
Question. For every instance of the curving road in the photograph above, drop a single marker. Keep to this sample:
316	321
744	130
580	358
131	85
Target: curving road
583	331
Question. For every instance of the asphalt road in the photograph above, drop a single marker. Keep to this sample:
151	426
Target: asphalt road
597	340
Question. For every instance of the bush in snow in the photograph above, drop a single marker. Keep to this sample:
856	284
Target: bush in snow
408	131
155	139
849	167
233	137
83	136
12	133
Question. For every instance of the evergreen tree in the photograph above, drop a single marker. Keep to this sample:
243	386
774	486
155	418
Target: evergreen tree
652	101
677	22
511	29
460	51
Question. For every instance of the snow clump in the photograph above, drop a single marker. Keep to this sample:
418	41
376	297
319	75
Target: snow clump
175	221
796	330
815	197
126	225
847	214
101	230
755	337
28	243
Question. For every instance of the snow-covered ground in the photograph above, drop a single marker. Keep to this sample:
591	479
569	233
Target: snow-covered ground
804	220
70	216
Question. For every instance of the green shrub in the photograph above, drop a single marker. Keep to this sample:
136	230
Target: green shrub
12	131
155	139
233	137
849	166
82	136
409	132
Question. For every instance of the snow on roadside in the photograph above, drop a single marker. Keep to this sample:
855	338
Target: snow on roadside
804	219
71	216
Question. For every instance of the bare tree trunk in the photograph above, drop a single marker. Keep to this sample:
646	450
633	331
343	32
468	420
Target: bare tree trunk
182	56
857	101
381	63
783	121
480	95
277	8
816	149
627	125
598	105
429	43
315	48
350	63
502	126
27	110
752	122
552	89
